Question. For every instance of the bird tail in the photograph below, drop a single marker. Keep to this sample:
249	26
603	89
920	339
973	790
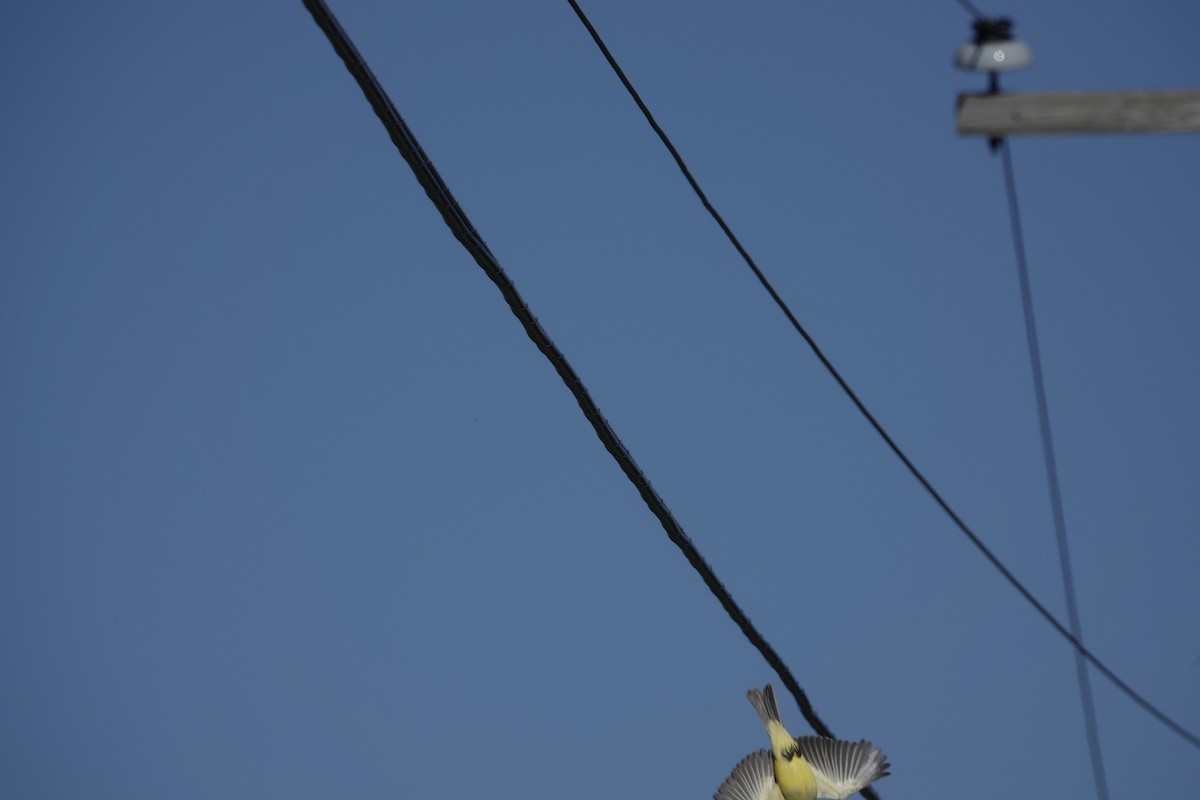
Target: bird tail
764	703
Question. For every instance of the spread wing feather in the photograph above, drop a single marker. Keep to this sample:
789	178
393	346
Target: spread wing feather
752	779
842	768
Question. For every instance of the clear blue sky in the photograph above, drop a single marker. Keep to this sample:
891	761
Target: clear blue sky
291	507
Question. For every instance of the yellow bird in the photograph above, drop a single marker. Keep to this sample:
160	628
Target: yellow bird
800	769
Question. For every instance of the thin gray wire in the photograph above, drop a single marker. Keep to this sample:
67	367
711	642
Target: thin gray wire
1056	503
971	9
926	484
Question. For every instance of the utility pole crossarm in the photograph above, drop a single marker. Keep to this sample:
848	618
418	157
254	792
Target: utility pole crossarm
998	115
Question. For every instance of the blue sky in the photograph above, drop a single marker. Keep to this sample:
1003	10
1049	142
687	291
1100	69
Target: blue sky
293	508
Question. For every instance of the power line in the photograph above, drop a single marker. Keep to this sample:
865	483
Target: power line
1056	503
972	10
454	217
858	403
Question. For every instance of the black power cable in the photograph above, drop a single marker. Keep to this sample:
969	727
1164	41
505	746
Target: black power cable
858	403
462	229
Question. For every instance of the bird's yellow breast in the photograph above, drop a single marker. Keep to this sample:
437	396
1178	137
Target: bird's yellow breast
795	778
792	772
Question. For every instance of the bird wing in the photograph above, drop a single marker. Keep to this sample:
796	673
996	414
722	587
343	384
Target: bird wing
752	779
842	768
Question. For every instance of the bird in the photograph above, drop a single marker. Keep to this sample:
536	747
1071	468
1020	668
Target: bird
800	769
